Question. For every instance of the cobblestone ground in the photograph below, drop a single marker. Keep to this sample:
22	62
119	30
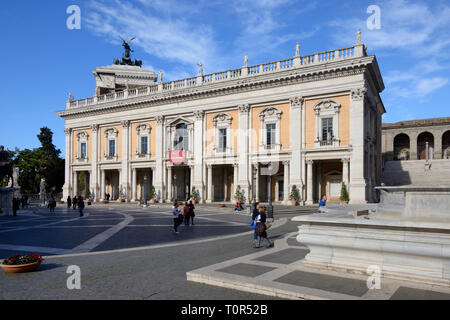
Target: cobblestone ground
124	252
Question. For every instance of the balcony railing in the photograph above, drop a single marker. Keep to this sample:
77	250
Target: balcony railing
246	71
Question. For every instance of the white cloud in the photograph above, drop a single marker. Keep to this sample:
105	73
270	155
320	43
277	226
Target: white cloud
174	39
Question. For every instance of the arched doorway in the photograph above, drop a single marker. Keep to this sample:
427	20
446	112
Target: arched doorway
424	139
401	147
446	145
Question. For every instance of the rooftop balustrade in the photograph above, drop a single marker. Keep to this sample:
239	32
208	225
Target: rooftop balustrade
222	76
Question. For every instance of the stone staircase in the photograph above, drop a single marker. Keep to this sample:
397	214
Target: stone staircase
416	172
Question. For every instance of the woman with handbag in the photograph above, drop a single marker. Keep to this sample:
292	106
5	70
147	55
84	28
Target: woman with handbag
261	227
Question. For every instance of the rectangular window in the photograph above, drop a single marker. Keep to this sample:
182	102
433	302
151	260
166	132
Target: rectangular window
270	131
83	150
144	145
112	148
327	129
222	140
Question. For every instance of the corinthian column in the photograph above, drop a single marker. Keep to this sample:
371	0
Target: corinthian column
67	173
125	158
243	150
94	166
358	182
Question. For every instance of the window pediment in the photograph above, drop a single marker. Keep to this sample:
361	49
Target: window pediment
222	118
327	105
111	132
270	113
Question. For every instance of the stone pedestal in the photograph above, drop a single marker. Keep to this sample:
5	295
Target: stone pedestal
6	197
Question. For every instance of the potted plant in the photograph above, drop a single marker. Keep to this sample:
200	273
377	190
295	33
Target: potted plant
294	196
88	197
18	263
121	199
194	195
152	194
344	194
239	195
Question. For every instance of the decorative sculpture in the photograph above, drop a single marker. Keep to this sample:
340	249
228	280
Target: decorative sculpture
126	58
6	168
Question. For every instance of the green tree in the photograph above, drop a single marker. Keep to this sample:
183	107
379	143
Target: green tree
344	193
43	162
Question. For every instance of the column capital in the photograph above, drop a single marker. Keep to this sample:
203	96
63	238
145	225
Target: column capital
67	131
159	119
358	94
94	127
244	108
209	166
286	163
199	114
309	162
125	123
345	160
296	102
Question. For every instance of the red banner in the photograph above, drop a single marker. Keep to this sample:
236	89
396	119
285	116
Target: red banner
177	156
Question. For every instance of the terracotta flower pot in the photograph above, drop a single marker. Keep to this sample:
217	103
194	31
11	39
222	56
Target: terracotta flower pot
20	267
293	202
153	201
344	202
221	205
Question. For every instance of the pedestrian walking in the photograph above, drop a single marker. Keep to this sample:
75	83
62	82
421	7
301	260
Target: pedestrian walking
15	205
186	215
191	211
23	201
176	217
69	202
80	205
51	204
75	202
322	203
261	227
255	214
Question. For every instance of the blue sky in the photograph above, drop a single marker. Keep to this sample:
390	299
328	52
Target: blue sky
42	60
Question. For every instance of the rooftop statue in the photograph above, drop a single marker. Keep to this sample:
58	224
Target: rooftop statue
126	58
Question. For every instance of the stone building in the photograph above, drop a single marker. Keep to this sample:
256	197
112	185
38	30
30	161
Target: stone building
313	121
417	152
408	140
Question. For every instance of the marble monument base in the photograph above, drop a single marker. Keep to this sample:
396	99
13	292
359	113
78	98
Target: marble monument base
6	197
401	250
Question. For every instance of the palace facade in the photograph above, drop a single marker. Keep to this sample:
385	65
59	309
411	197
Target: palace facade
313	121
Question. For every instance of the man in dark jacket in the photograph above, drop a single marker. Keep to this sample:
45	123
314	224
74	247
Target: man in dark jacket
254	215
80	205
191	211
